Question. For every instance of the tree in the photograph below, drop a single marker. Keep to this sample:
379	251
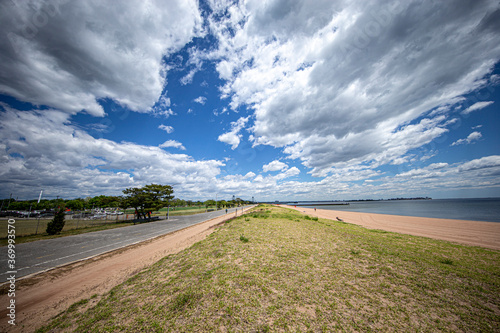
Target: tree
149	197
75	204
209	203
104	201
57	224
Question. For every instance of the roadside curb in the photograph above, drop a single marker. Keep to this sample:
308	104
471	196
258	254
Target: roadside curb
225	217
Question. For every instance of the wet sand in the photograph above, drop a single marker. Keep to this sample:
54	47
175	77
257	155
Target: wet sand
477	233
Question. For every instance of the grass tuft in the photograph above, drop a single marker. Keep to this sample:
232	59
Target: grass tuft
446	261
183	301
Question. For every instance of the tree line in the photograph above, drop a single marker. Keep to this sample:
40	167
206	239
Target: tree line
153	197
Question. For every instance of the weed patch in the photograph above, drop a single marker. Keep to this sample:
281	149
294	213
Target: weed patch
183	301
446	261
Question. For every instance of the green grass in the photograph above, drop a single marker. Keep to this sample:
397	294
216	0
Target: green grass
184	211
298	275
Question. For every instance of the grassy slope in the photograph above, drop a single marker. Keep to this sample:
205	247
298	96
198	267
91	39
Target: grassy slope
301	274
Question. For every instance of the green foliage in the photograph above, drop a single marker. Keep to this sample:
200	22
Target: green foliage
149	197
446	261
183	300
209	203
57	224
104	201
76	204
261	214
243	239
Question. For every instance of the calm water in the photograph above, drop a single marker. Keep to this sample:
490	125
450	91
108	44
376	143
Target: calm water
461	209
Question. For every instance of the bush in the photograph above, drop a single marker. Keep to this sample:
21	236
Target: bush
57	224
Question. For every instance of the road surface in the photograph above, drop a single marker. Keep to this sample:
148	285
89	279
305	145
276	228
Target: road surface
42	255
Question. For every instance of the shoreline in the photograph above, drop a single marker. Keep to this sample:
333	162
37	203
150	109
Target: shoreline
475	233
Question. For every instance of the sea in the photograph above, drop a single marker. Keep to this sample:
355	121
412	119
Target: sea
478	209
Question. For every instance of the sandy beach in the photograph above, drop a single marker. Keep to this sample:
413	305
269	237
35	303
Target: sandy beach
477	233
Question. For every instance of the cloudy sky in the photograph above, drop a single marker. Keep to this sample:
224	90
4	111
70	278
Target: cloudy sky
277	99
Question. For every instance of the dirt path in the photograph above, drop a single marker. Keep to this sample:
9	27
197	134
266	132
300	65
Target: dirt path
41	297
484	234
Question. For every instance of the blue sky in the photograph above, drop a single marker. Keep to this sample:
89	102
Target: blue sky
277	100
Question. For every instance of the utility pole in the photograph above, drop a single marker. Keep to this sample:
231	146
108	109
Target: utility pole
38	222
9	201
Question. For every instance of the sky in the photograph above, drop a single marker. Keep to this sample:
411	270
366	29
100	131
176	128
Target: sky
271	100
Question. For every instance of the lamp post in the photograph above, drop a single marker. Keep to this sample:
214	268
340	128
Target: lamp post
38	222
168	204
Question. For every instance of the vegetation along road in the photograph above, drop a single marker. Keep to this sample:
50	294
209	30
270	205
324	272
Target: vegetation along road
42	255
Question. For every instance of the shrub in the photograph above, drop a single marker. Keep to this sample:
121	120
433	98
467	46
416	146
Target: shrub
446	261
57	224
243	239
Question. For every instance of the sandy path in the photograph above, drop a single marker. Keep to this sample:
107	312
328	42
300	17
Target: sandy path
40	297
484	234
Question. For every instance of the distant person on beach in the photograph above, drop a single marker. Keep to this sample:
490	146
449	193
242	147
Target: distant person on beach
226	210
314	208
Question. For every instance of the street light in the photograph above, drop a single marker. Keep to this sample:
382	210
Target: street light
168	205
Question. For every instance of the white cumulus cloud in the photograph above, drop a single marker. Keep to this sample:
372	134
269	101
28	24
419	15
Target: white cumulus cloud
337	83
477	106
275	166
168	129
173	144
233	137
68	55
471	138
202	100
43	149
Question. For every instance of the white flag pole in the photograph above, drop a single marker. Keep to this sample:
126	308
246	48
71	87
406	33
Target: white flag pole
40	197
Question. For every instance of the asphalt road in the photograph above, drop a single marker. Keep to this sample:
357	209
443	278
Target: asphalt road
42	255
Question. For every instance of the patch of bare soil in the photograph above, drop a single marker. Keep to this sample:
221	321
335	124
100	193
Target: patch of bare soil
42	296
